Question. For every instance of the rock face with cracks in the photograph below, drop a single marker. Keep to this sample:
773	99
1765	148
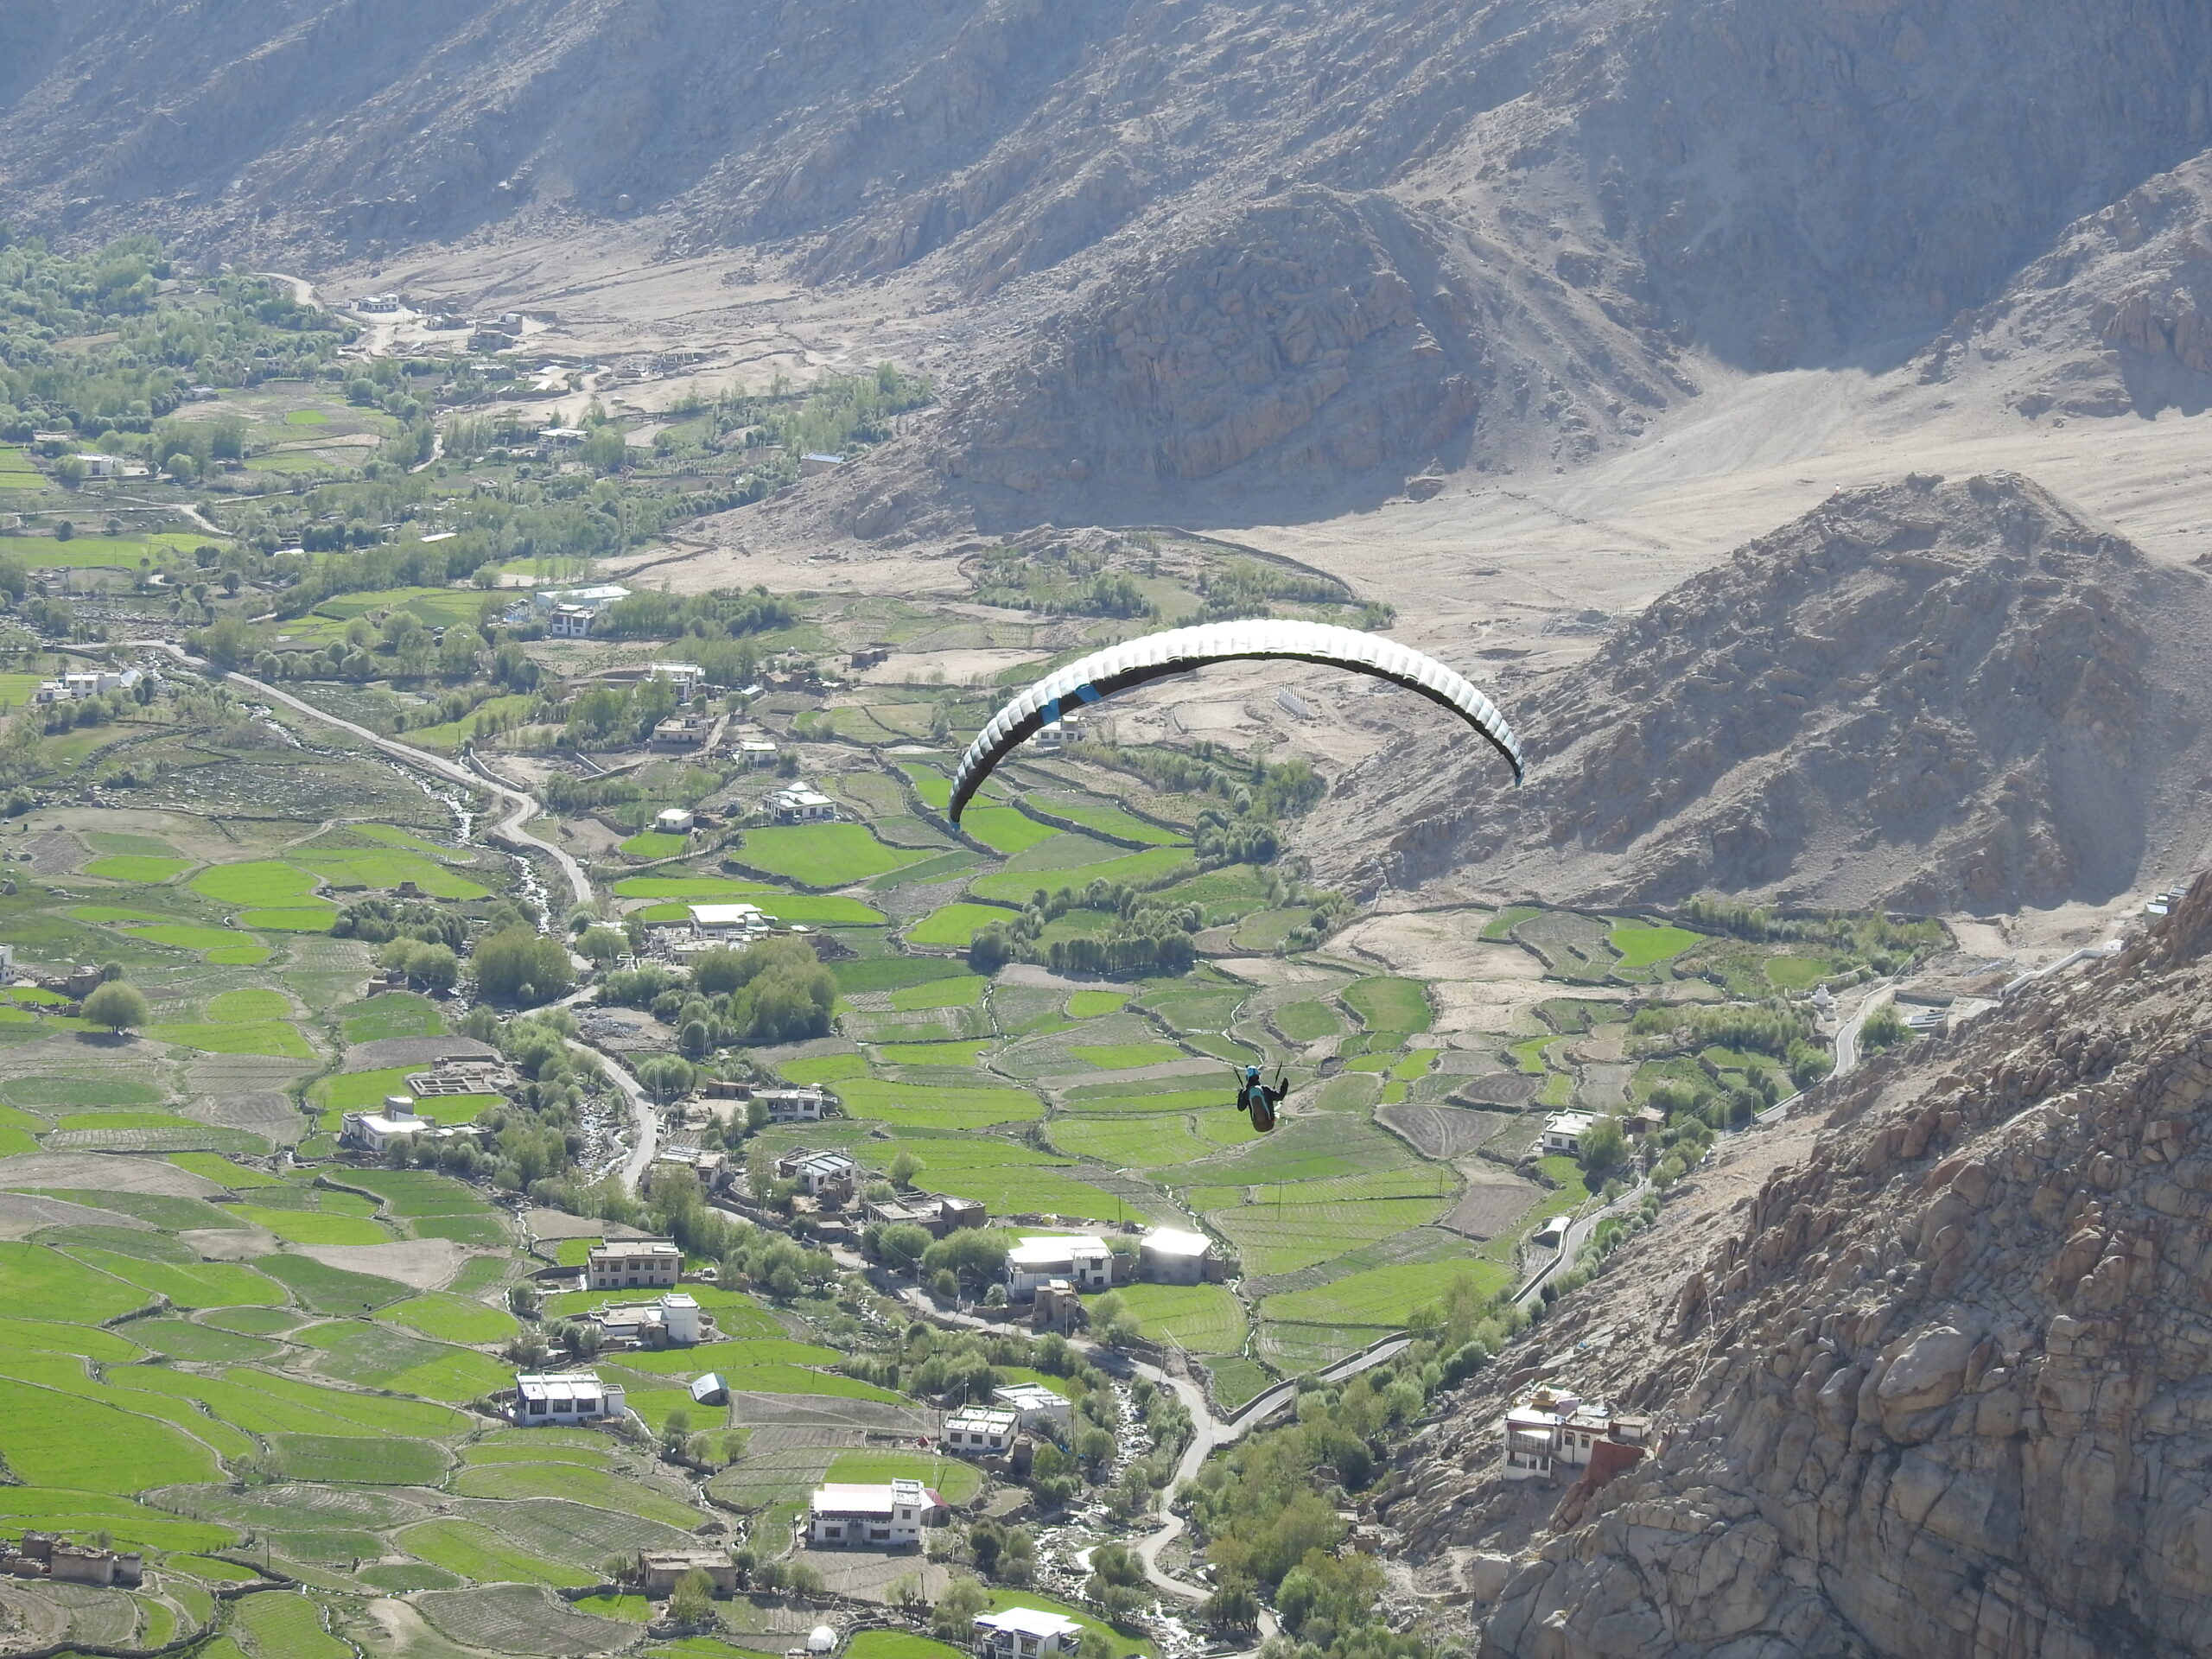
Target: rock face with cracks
1940	1391
1933	695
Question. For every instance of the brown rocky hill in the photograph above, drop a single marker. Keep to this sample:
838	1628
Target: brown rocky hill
1939	1391
1935	695
1578	198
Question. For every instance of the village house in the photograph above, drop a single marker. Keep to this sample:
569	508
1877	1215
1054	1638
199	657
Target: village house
1169	1256
1563	1133
570	622
674	821
712	1167
934	1212
756	751
888	1516
1083	1261
544	1398
1037	1407
1058	1307
796	1105
686	678
1025	1633
46	1555
813	466
1553	1426
683	731
982	1431
730	922
674	1321
373	1131
659	1569
801	804
819	1174
632	1264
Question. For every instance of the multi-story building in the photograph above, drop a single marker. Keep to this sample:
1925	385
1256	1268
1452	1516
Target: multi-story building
632	1264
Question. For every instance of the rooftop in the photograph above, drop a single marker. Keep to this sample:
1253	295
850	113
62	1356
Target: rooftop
1173	1241
1028	1621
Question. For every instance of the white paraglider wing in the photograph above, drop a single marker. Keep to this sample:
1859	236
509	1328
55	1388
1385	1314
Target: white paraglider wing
1178	651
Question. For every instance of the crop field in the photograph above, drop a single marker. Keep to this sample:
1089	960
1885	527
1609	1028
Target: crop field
594	1488
200	1284
331	1290
1132	869
290	1626
954	1479
823	855
51	1439
953	926
1284	1237
927	1106
132	867
395	1013
657	843
452	1319
39	1283
263	882
1149	1142
1383	1296
1643	945
1204	1318
896	1644
1388	1004
473	1552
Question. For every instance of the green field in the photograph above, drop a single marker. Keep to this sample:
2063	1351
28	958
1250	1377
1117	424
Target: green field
1125	1056
1112	820
39	1283
294	919
592	1487
62	1439
386	1461
331	1290
1204	1318
1643	945
1284	1237
1133	869
260	882
1386	1003
395	1014
313	1227
1305	1022
200	1284
1797	973
954	926
130	866
655	843
931	1106
965	1053
1091	1005
1148	1142
290	1626
1005	829
965	992
823	855
1383	1296
473	1552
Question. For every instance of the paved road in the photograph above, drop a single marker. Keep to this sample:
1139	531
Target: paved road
520	808
1847	1037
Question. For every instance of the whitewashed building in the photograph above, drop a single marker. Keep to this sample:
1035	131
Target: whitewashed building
1037	1407
1563	1132
632	1264
543	1398
982	1431
1170	1256
1551	1427
1083	1261
1025	1633
887	1516
801	804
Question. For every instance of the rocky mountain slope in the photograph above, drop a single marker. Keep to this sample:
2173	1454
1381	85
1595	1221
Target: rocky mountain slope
1935	695
1939	1388
1505	232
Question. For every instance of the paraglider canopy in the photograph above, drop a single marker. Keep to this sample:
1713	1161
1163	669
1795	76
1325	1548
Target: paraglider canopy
821	1639
1179	650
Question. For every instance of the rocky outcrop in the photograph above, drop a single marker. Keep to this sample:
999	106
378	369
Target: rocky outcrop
1932	695
1939	1390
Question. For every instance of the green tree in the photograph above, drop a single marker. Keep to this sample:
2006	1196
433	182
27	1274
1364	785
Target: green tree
117	1005
519	964
1603	1145
665	1076
601	945
905	1167
433	966
692	1600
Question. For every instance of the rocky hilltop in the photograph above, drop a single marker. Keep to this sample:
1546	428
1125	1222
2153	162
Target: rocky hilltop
1935	695
1938	1391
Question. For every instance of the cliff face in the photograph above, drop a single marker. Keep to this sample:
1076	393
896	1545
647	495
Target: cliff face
1932	695
1939	1391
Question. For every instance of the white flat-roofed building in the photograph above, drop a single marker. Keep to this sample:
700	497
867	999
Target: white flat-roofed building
887	1516
815	1170
982	1431
547	1397
723	921
1563	1132
1170	1256
1025	1633
1036	1406
794	1105
594	599
374	1131
801	804
570	622
632	1264
686	678
1083	1261
674	821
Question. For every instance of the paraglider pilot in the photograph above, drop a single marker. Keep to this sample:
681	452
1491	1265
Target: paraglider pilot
1255	1097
